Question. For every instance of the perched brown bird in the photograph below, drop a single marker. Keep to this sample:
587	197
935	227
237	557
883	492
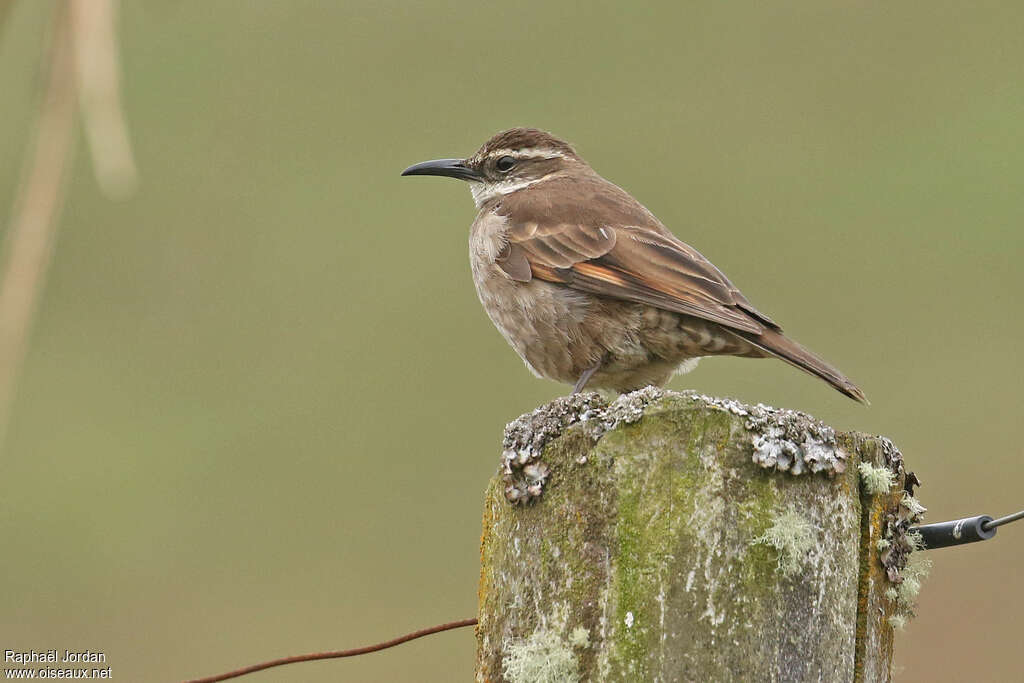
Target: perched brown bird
588	286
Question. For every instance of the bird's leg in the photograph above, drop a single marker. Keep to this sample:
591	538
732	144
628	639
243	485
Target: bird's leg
585	377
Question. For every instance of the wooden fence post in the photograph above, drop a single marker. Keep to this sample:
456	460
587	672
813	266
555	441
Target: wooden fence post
676	537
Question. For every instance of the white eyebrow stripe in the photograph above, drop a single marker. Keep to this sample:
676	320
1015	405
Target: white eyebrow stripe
530	153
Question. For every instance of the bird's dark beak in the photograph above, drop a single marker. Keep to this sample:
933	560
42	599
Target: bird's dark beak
450	168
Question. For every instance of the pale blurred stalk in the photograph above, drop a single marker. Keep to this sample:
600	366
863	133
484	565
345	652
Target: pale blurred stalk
28	244
82	60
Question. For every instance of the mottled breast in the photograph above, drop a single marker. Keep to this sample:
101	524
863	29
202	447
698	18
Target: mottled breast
537	318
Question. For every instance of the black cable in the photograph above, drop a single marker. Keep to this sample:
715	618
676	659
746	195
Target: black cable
960	531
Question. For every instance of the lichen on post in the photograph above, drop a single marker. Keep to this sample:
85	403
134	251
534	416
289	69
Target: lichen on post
669	536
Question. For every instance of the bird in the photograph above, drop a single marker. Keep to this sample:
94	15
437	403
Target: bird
588	286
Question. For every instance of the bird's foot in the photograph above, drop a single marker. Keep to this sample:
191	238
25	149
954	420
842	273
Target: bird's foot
585	377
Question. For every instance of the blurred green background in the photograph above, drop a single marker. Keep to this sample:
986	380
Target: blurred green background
261	401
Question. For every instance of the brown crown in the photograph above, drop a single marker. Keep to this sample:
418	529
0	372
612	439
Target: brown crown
525	138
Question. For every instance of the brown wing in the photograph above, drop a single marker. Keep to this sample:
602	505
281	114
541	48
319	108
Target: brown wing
631	257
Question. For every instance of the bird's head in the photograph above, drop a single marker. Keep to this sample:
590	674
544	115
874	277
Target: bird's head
510	161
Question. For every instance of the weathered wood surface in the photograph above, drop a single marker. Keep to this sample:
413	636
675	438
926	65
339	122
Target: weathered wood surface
675	537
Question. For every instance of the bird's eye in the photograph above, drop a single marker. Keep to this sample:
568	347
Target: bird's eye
505	164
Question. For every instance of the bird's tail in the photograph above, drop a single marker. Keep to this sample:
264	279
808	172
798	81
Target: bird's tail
776	344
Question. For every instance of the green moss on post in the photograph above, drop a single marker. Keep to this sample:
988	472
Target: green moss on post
675	537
